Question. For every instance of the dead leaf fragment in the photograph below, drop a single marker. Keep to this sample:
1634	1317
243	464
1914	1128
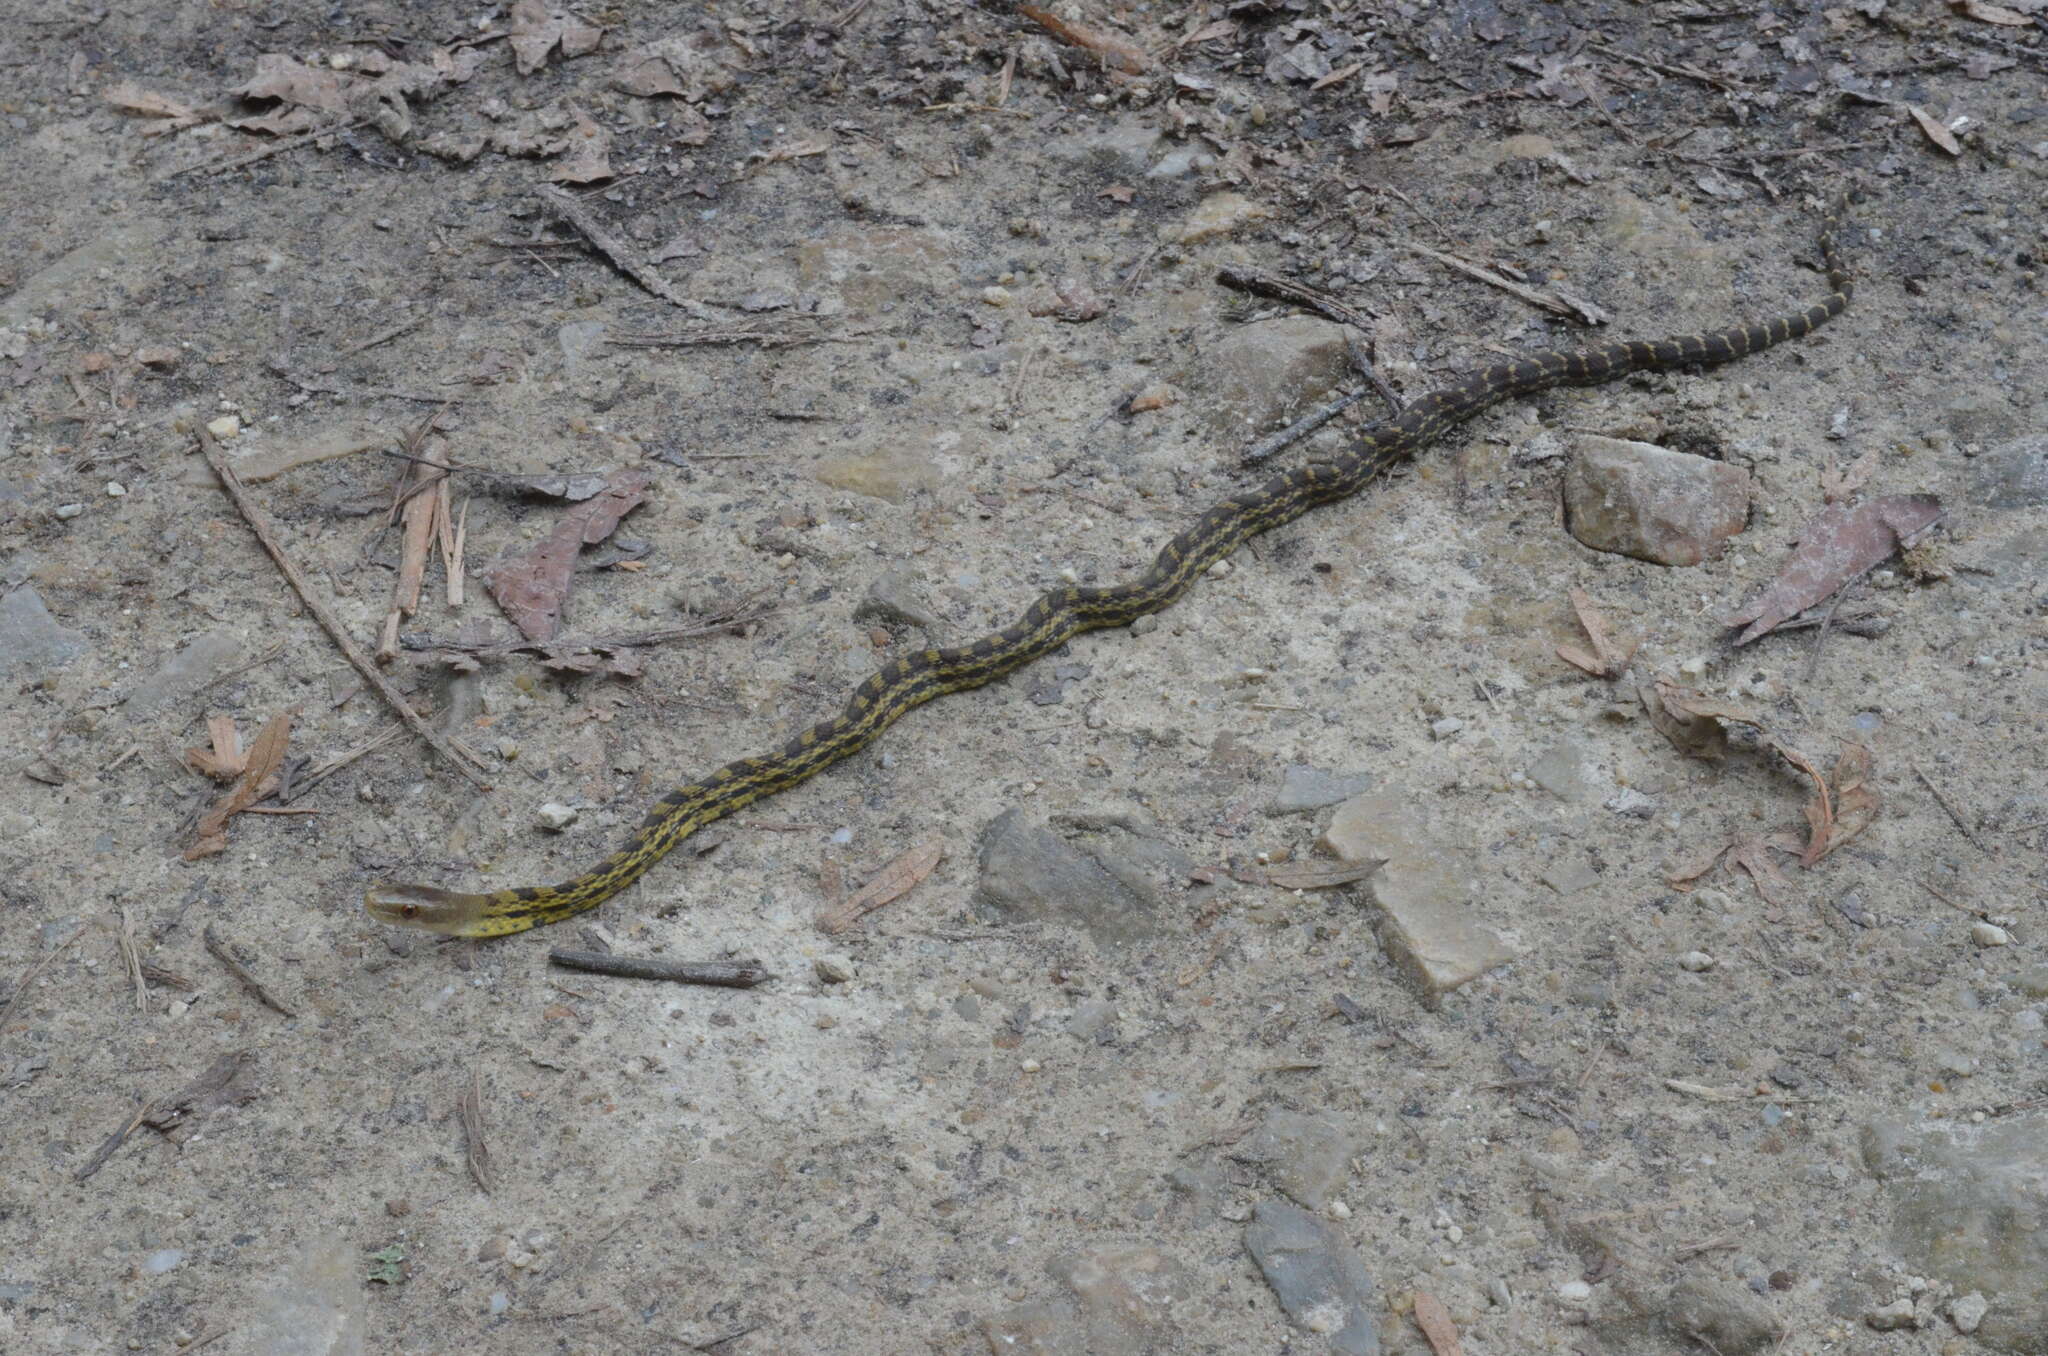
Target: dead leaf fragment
1838	483
1117	53
588	157
266	755
225	760
1435	1321
1937	131
1839	545
690	66
532	586
536	32
1608	658
1989	14
891	883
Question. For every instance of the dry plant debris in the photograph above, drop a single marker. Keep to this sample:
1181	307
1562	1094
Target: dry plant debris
889	884
1838	546
532	586
257	780
1608	658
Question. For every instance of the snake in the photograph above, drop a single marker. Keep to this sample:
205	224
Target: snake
1059	615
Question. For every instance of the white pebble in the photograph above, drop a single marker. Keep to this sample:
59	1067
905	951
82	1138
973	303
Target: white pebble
1696	961
227	426
1445	728
1031	1066
555	815
1574	1292
115	489
1990	934
70	510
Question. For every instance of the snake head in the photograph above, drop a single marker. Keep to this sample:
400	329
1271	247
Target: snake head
422	906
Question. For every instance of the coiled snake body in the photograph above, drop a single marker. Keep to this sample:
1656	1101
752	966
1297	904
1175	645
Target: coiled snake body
1063	613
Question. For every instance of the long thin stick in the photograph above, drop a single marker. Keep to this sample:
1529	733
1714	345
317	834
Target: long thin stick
259	523
725	974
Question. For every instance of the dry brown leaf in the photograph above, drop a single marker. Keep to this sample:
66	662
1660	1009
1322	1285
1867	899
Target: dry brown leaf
1689	719
295	83
690	66
1119	53
266	755
1936	130
1435	1321
1836	547
1682	876
588	157
1856	805
536	32
891	883
1608	659
533	586
1989	14
1753	854
1838	483
225	760
135	99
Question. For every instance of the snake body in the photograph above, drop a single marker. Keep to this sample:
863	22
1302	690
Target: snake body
1063	613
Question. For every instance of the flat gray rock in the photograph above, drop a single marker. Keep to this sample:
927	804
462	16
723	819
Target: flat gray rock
33	644
1304	788
1260	376
1317	1276
1098	880
1424	890
201	660
2012	475
1308	1157
1970	1206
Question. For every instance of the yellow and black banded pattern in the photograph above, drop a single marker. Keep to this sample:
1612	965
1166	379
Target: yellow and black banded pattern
905	683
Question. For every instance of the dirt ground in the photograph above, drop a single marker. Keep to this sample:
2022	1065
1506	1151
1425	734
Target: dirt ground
956	338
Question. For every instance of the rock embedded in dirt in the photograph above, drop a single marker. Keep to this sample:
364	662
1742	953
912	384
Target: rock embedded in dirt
1262	375
1308	1157
1028	872
1305	788
1424	889
1645	501
33	644
2013	474
1317	1276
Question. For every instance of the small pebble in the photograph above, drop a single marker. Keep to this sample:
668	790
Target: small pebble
1990	934
1031	1066
226	426
70	510
1445	728
1574	1292
555	815
1696	961
115	489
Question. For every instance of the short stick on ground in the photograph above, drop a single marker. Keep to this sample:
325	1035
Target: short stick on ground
259	523
723	974
218	945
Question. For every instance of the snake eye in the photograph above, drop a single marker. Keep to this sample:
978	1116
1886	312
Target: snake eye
409	911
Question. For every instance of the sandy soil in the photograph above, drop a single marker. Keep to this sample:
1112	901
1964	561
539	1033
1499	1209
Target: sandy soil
952	1128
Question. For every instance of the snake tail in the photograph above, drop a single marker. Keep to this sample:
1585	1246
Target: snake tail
908	682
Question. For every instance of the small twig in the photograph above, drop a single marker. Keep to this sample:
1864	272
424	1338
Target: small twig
494	649
219	947
21	986
475	1151
384	336
1685	72
113	1143
131	957
1584	313
358	392
1943	800
698	338
1299	429
1362	360
724	974
275	148
1285	289
623	257
259	523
